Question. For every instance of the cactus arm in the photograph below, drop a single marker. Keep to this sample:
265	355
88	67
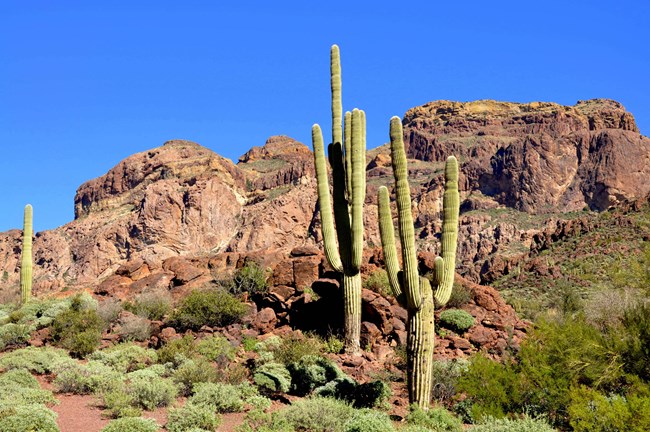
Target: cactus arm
387	234
337	104
419	348
406	230
26	257
451	210
348	153
331	250
341	214
358	190
363	149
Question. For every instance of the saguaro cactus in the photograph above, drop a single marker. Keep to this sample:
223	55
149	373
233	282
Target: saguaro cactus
413	291
347	157
26	257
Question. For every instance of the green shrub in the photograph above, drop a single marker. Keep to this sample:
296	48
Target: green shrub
273	377
216	348
192	416
366	395
525	424
311	372
12	335
436	419
150	393
318	415
192	372
333	345
457	320
38	360
445	379
460	296
28	418
109	310
86	378
212	307
132	424
126	357
153	371
13	394
249	279
636	322
177	351
223	398
594	412
378	282
294	346
20	377
369	421
78	329
153	305
119	402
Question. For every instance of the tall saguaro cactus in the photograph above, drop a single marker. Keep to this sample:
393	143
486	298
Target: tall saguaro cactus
413	291
347	157
26	257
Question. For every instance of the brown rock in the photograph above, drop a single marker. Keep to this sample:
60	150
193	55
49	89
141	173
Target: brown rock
265	320
168	334
305	271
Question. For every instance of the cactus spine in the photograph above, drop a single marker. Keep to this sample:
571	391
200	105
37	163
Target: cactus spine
26	257
413	291
347	157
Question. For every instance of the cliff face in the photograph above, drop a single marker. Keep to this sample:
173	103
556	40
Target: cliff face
537	157
519	163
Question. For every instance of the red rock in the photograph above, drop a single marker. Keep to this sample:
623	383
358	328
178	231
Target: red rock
167	334
265	320
305	271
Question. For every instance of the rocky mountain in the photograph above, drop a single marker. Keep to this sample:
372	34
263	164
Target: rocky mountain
523	167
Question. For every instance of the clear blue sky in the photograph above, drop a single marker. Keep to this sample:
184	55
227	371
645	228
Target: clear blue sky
85	84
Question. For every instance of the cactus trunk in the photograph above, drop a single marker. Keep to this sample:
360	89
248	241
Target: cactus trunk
346	155
26	257
419	348
352	312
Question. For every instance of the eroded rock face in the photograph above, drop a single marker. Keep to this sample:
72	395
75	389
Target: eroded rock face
537	157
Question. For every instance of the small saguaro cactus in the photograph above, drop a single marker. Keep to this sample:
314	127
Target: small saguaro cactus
413	291
347	157
26	257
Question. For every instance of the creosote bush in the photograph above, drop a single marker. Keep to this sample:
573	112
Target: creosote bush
251	279
38	360
78	329
152	305
457	320
525	424
436	419
212	307
192	416
27	418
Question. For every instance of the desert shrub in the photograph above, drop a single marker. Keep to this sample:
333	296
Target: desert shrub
20	377
192	372
273	377
212	307
636	353
38	360
294	346
367	420
28	418
192	416
153	371
524	424
222	398
251	279
436	419
86	378
152	392
126	357
78	329
134	328
460	296
109	310
119	402
177	351
366	395
153	305
13	394
12	335
595	412
216	348
333	345
378	282
445	378
457	320
311	372
318	415
132	424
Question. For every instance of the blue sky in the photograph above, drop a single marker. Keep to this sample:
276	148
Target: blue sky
84	84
